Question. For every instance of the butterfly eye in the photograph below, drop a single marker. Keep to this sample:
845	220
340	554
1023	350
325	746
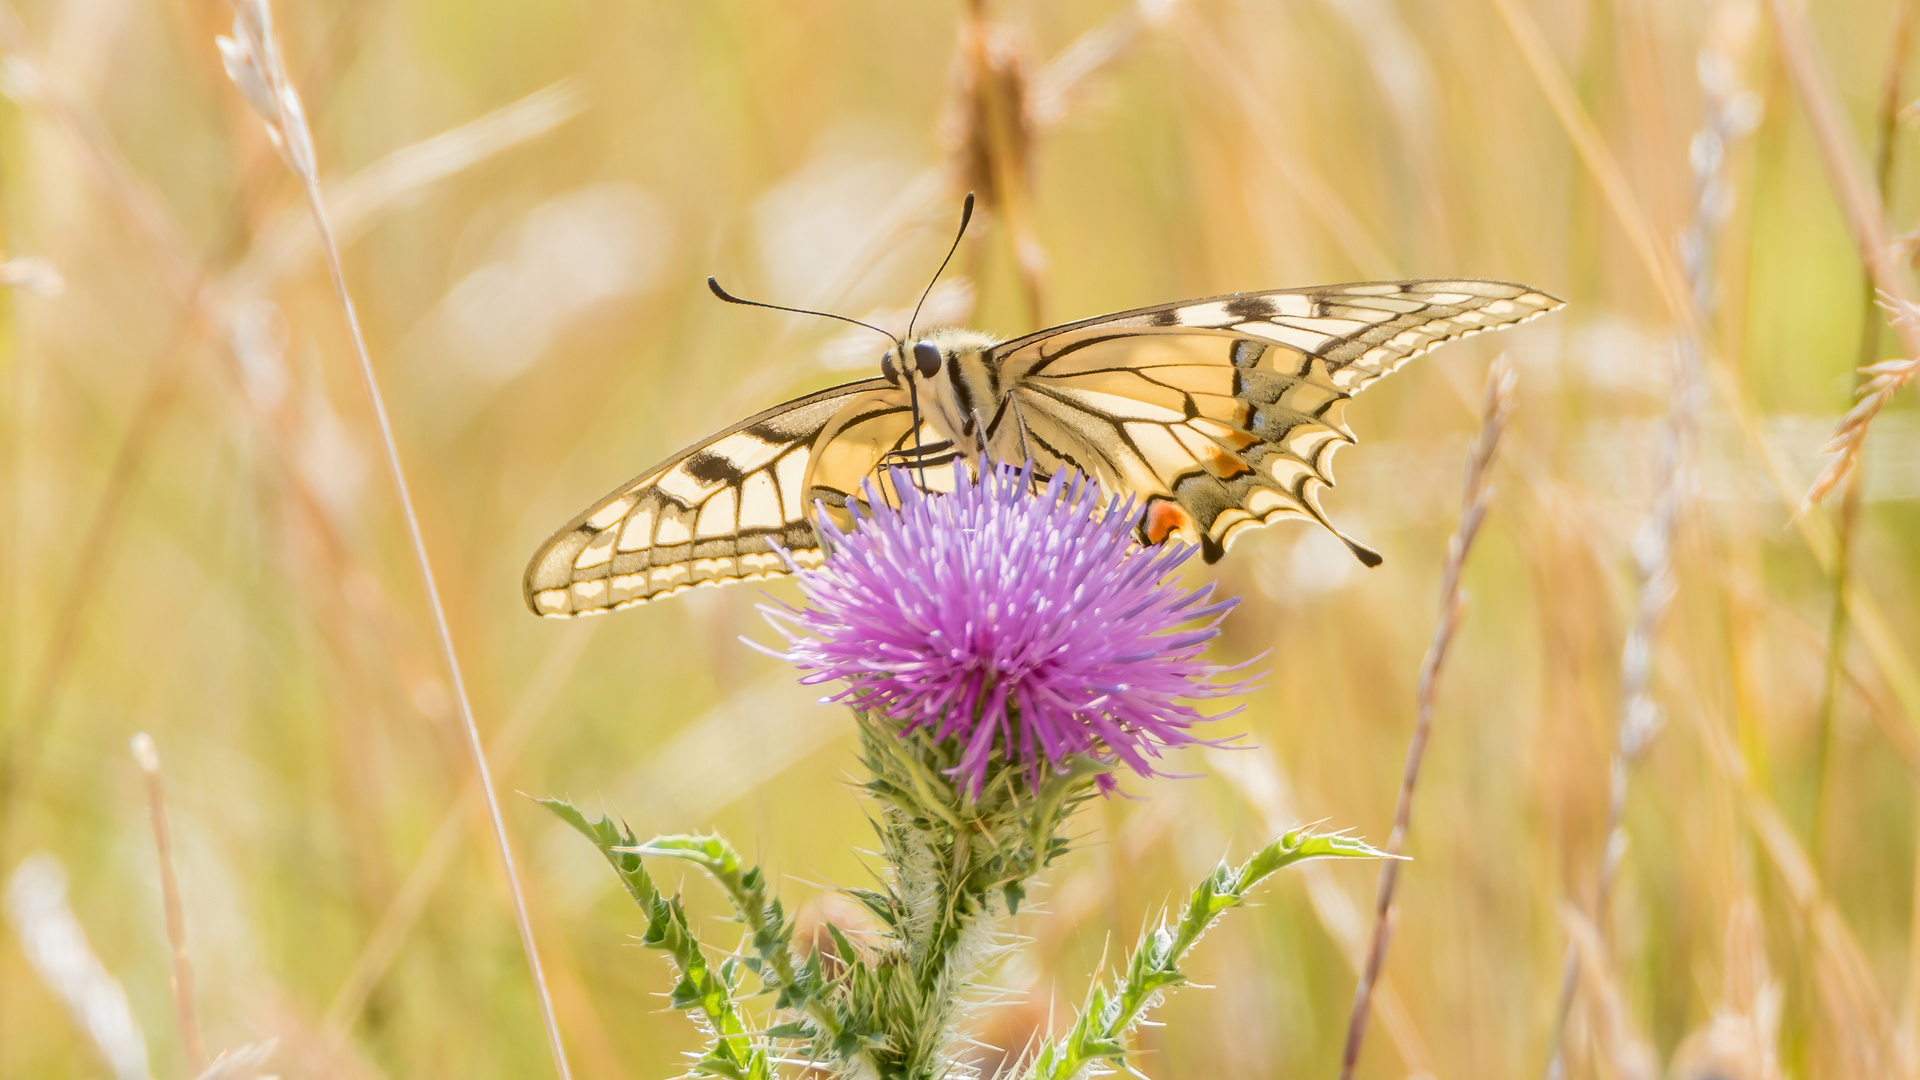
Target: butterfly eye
926	359
887	370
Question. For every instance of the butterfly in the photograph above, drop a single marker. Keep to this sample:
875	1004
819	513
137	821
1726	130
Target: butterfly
1215	415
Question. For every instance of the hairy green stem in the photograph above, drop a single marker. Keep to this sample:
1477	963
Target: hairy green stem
889	1008
957	864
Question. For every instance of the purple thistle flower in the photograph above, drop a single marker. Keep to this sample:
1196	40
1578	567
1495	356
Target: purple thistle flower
1029	627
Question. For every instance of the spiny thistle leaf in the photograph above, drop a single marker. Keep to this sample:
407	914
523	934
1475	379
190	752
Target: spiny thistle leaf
828	1028
608	837
768	929
1098	1035
732	1053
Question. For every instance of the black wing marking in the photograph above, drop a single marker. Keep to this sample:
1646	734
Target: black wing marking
1224	413
713	513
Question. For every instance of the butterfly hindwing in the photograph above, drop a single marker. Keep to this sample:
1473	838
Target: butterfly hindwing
1224	413
860	448
715	512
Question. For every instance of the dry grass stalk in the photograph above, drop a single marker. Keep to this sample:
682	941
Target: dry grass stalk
1865	214
410	900
33	85
1745	589
56	946
1849	989
1600	162
30	81
1886	647
1626	1050
240	1063
1730	113
1886	131
1262	782
1848	986
252	58
148	757
991	128
1885	379
205	303
286	243
1848	518
1057	86
1859	202
1742	1040
1475	497
1907	1034
1261	121
1054	91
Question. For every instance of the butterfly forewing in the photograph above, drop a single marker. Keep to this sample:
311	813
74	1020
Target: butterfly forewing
1224	413
715	512
1215	415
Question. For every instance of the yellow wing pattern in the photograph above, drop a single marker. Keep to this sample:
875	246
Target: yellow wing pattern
713	513
1224	413
1219	414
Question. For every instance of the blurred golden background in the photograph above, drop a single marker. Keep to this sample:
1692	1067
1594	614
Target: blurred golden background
200	540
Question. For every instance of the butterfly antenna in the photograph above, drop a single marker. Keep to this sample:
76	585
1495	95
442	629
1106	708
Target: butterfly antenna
732	299
966	215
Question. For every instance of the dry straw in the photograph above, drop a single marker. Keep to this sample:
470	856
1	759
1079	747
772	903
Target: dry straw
207	303
147	756
56	946
1049	99
1885	379
252	60
1883	643
1880	253
1850	441
1475	497
1731	112
1263	782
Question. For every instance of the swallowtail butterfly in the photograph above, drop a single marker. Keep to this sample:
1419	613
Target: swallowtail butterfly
1216	415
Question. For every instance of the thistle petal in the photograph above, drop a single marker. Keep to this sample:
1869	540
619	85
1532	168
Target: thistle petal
1030	627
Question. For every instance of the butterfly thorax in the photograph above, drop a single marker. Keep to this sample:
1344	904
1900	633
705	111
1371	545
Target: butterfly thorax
956	386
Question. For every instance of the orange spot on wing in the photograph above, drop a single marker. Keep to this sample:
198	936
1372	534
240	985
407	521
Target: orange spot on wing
1225	465
1163	517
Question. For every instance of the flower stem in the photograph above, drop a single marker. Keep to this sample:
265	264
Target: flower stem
958	863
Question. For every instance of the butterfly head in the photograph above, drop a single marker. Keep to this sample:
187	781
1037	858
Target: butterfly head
922	358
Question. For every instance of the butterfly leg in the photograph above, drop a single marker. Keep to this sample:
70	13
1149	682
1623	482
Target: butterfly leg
924	453
921	457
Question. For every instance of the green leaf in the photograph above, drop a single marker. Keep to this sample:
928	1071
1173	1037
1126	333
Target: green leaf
1098	1033
611	839
731	1053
